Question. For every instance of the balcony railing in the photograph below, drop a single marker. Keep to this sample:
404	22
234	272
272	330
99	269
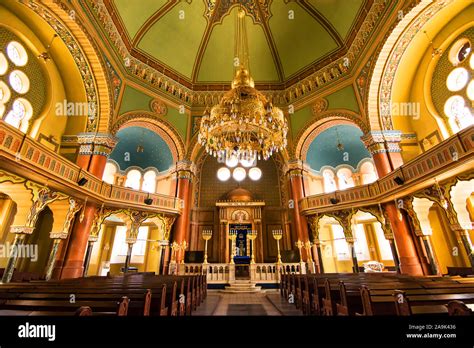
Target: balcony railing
450	155
17	147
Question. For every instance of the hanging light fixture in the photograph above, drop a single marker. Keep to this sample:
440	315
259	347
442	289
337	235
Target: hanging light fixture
244	125
140	147
340	145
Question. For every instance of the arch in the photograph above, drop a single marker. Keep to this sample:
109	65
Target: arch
322	122
86	57
388	59
161	127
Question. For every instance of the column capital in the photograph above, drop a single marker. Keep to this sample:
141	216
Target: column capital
96	143
294	167
22	229
185	169
58	235
382	141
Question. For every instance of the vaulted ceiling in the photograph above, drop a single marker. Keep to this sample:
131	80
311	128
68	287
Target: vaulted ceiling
192	41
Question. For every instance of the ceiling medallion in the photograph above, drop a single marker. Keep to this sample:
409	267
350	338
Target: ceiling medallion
319	106
158	107
244	124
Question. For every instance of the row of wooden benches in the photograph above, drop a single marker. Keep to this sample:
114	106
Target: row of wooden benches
378	294
130	294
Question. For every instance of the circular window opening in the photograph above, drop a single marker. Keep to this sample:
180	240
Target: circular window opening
3	64
17	53
454	106
4	92
457	79
470	90
19	81
464	52
459	51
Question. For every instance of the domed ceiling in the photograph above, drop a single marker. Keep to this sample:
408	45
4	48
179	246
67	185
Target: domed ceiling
323	150
192	41
156	153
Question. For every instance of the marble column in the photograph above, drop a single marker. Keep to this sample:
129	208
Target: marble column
93	153
295	176
184	173
386	153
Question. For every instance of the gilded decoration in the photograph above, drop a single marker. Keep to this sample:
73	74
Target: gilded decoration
391	64
42	196
156	124
77	54
281	95
259	10
158	107
319	106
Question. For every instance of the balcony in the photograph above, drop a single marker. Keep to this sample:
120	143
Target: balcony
23	156
449	158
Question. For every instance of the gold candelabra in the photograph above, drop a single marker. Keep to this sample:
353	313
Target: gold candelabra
299	244
278	234
206	235
307	246
183	246
174	248
232	237
252	236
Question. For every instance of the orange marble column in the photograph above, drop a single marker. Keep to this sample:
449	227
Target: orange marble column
93	152
386	153
295	175
183	191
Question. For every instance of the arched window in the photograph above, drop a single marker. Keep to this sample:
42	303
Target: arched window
133	179
345	179
109	173
367	173
149	181
329	181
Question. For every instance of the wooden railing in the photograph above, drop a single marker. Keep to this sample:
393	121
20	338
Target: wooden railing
37	159
450	155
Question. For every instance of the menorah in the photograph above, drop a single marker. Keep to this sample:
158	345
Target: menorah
174	248
252	236
183	246
278	234
307	246
299	244
232	237
206	235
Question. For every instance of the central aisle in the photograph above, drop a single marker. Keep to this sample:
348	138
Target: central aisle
245	304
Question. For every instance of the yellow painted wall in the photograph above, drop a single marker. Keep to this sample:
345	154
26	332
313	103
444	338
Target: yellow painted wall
413	78
64	79
443	241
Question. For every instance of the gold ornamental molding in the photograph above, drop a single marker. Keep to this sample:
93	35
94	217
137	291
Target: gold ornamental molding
85	55
281	95
156	124
323	121
448	161
379	95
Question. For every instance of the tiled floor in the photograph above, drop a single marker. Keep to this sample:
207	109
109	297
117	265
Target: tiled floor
245	304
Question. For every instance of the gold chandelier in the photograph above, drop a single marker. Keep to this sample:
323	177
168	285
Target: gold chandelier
244	124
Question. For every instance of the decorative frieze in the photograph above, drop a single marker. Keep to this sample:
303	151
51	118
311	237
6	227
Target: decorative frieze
96	143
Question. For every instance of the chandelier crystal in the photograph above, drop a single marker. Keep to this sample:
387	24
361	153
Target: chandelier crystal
244	125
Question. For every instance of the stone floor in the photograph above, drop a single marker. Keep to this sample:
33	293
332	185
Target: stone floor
246	304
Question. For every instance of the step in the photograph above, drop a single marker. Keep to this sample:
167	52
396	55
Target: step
231	290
